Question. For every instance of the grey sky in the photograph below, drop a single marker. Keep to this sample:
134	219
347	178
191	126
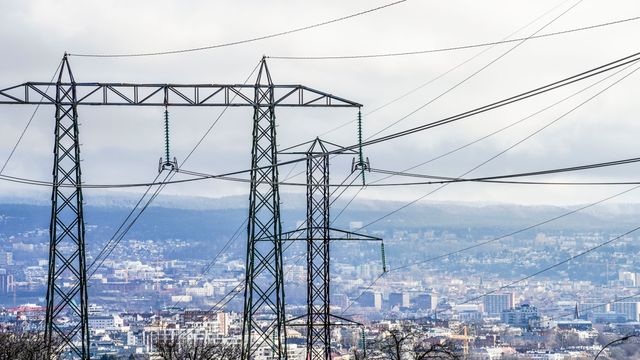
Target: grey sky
123	145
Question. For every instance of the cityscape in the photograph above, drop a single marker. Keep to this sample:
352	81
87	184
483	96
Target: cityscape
290	215
152	289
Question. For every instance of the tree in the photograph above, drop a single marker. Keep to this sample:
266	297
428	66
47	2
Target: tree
24	346
440	351
395	345
408	344
184	350
358	354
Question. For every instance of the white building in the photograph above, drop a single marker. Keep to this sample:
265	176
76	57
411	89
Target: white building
494	304
105	322
630	309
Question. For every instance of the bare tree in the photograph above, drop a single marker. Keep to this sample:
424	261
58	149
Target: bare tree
184	350
396	344
358	354
407	344
24	346
440	351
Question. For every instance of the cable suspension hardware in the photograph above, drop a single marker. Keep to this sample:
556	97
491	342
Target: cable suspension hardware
167	163
361	164
384	258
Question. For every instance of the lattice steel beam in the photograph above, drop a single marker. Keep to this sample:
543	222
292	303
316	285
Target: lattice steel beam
67	279
318	302
263	321
130	94
318	236
264	295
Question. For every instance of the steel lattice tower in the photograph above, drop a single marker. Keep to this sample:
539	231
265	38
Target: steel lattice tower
67	247
318	316
264	289
264	293
318	235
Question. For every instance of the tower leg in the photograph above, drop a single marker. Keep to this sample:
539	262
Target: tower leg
67	264
264	321
318	317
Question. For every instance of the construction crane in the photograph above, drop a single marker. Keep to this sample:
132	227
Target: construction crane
465	337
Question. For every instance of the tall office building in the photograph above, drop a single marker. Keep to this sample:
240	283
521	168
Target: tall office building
399	299
6	282
588	307
629	309
426	301
6	258
494	304
520	316
371	299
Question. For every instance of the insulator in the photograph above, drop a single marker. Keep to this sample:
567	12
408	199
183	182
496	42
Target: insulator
384	258
166	134
361	157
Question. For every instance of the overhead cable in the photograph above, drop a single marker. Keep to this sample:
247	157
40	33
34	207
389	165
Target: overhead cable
456	48
239	42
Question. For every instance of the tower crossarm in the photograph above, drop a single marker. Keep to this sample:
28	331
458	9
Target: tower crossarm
134	94
334	234
339	321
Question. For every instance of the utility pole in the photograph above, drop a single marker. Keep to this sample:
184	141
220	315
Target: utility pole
263	323
318	235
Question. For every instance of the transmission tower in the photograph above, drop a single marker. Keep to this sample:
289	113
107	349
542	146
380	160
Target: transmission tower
264	289
264	298
318	234
66	246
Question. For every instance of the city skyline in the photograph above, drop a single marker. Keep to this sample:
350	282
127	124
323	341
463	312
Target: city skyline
393	180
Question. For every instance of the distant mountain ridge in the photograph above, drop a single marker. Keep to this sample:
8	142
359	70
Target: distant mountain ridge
232	209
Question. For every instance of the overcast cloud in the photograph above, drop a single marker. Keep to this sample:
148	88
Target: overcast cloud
122	145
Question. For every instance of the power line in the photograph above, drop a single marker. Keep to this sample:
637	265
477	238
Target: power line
522	96
627	60
169	176
522	174
404	95
621	62
199	176
236	290
519	231
496	239
512	182
234	237
520	141
621	339
484	67
599	305
510	147
495	132
245	41
455	48
122	224
26	127
213	261
517	98
495	156
550	267
493	61
114	241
